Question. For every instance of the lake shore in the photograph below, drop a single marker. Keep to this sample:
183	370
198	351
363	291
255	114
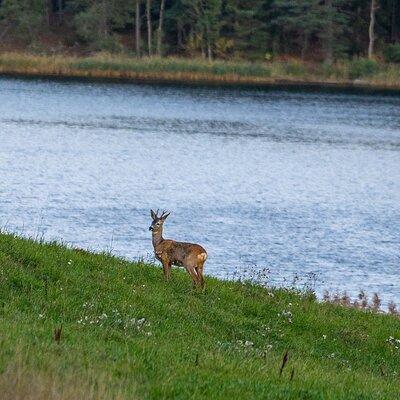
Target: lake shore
75	324
361	74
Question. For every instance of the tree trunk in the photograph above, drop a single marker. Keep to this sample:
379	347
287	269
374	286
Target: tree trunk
372	29
49	11
275	46
209	52
179	37
394	32
160	28
357	40
4	32
201	41
329	33
305	46
60	11
149	34
137	28
104	19
209	49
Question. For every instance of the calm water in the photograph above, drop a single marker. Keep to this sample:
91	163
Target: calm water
297	182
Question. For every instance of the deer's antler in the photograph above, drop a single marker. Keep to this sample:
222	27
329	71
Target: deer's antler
164	214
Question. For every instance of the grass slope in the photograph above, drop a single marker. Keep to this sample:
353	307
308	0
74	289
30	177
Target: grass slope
127	334
356	73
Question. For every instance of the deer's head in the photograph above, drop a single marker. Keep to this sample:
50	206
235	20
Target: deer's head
158	221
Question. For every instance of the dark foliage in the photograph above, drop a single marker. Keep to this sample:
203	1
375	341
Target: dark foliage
318	30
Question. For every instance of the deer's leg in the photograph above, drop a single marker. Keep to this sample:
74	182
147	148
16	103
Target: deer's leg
199	270
167	269
201	258
192	272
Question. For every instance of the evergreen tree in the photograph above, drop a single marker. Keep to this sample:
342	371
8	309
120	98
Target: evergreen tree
250	29
25	17
243	25
332	32
96	21
204	24
299	20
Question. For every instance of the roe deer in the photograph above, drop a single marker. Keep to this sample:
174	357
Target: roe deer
188	255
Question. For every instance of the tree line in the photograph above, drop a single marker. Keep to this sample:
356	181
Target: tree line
251	29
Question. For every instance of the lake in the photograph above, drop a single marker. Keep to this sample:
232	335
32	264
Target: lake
302	183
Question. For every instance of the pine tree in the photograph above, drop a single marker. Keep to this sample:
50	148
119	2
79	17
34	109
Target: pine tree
96	21
333	28
299	20
243	24
26	17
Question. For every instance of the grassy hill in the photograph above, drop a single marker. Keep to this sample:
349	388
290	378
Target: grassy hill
76	325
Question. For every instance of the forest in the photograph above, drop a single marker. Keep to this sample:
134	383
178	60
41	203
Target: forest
252	30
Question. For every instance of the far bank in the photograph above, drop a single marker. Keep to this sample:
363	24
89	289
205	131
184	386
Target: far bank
357	74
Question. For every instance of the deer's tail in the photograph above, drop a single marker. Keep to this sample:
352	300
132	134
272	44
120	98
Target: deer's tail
201	258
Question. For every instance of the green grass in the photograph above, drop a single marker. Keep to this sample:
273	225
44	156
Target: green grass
360	72
126	334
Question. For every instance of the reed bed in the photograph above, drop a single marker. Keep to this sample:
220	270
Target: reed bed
364	73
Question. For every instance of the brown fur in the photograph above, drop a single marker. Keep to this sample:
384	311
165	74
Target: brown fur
169	252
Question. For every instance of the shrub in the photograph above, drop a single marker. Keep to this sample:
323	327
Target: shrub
295	69
392	53
110	44
362	67
327	70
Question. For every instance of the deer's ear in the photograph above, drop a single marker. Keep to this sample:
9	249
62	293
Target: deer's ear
164	217
153	214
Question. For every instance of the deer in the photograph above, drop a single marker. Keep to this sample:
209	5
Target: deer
188	255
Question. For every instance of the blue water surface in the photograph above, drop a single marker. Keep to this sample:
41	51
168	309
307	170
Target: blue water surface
302	183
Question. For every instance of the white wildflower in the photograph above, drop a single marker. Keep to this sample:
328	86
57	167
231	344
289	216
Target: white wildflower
286	314
394	342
